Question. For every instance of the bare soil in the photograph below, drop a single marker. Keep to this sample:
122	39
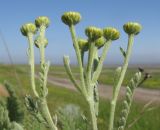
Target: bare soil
105	91
3	91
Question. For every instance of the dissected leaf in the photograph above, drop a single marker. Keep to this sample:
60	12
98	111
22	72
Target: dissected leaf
123	52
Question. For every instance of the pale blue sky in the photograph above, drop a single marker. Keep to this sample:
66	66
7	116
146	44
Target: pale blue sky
101	13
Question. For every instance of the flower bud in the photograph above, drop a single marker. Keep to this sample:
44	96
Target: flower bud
71	18
100	42
111	33
132	28
38	41
28	28
93	33
42	20
83	44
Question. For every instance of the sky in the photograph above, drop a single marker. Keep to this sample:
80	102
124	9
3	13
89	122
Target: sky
100	13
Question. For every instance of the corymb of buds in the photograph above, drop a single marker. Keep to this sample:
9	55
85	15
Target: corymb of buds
42	21
132	28
93	33
100	42
111	33
40	41
28	28
71	18
83	44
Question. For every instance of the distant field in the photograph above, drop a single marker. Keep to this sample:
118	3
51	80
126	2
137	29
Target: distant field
107	75
60	96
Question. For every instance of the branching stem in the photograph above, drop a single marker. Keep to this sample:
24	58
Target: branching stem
43	104
119	83
31	62
100	64
93	115
78	54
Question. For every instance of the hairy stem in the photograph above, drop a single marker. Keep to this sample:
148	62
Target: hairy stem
31	61
100	64
69	72
93	115
96	93
42	48
119	83
46	114
78	54
43	104
82	56
90	61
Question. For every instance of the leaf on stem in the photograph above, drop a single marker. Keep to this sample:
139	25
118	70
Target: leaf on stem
69	72
134	82
123	52
116	76
32	107
43	79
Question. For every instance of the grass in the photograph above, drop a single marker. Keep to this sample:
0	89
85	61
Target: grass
59	97
107	76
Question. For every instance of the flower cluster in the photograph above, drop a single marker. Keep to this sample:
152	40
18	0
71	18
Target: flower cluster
37	105
96	38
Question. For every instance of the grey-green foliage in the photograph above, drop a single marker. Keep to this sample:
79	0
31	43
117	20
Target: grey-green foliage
89	73
38	104
134	82
71	118
43	79
5	123
15	126
32	106
14	105
4	119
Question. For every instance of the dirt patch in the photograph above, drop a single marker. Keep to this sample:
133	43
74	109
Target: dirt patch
3	91
105	91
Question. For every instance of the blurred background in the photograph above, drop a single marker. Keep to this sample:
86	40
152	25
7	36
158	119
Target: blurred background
100	13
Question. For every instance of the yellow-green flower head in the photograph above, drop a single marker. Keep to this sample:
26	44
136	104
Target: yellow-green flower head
83	44
39	40
71	18
42	20
100	42
28	28
111	33
93	33
132	28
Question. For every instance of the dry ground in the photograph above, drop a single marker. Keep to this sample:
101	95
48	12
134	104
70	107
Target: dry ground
3	91
105	92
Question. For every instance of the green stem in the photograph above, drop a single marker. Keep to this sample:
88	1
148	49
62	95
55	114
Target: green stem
42	48
119	83
69	72
43	104
100	64
96	94
31	61
82	56
92	49
78	54
46	114
96	60
42	55
93	115
42	31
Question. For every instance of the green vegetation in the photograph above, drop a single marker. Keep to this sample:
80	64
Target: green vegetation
86	103
60	97
107	74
